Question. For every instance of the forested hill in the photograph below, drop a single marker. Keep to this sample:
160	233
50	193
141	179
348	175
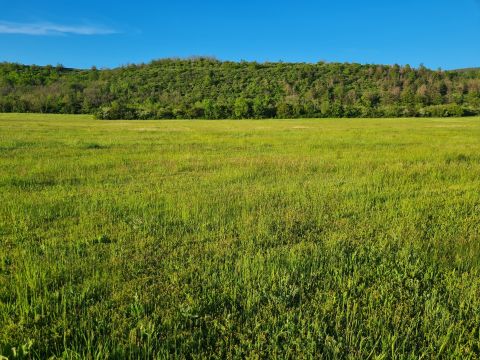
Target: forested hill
207	88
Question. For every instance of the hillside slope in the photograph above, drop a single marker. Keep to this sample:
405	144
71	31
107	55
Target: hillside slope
207	88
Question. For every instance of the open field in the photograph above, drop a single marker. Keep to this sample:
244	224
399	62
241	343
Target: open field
239	239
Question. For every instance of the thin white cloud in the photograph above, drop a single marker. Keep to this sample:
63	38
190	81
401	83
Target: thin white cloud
46	28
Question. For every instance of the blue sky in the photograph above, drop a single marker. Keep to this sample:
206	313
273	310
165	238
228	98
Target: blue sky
437	33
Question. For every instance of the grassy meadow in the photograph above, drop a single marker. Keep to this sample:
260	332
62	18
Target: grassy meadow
286	239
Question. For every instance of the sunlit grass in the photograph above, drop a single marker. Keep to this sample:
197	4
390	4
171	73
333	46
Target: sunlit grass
234	239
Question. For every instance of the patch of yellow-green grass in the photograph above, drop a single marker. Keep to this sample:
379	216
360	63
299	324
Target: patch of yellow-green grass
341	238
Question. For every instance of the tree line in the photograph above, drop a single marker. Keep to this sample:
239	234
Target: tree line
211	89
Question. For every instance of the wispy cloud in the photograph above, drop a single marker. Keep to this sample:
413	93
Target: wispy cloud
47	28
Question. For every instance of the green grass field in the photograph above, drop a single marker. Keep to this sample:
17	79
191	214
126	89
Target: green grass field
348	239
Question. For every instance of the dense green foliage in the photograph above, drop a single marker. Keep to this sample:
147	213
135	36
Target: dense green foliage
349	239
206	88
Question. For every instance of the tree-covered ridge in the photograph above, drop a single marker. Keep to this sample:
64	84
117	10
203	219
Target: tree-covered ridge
207	88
